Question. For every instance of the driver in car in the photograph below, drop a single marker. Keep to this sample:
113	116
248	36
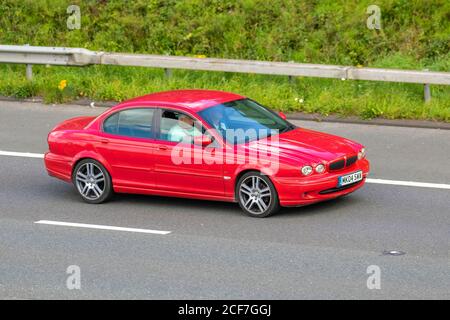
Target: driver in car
184	130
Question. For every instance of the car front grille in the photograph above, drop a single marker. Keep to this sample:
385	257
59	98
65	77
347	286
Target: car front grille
337	165
342	163
351	160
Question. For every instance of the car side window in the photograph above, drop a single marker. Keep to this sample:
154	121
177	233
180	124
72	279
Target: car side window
135	123
178	127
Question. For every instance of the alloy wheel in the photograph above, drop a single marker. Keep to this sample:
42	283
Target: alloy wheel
255	195
90	181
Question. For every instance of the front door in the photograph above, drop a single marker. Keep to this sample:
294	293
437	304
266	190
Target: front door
181	166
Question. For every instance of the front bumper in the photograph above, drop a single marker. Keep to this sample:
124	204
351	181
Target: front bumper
318	187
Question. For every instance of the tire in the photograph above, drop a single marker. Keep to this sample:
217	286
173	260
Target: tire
257	195
92	181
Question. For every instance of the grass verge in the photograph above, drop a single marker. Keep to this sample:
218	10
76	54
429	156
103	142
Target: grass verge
365	99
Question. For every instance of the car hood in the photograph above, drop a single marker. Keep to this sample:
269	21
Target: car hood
307	146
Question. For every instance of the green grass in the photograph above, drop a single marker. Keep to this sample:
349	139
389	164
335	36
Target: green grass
311	95
415	35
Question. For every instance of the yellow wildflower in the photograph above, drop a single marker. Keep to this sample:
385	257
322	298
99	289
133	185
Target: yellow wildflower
62	85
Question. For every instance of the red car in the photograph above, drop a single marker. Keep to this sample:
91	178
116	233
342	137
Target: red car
204	144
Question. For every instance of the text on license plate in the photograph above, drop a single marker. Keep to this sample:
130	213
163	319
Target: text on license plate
350	178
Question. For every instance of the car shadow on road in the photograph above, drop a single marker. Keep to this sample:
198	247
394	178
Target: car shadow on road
175	203
227	208
68	193
318	207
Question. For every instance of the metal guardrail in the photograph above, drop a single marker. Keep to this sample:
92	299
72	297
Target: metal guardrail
82	57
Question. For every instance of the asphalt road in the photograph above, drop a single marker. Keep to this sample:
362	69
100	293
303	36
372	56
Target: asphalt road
214	251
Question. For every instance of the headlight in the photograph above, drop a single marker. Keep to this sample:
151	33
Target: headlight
361	153
307	170
320	168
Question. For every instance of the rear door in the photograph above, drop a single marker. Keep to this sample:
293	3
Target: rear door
128	144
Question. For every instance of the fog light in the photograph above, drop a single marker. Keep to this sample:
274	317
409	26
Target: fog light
320	168
307	170
361	154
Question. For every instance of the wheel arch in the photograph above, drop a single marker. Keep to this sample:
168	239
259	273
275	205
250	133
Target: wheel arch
247	170
90	155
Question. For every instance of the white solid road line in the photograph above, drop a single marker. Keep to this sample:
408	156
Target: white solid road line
410	183
21	154
377	181
101	227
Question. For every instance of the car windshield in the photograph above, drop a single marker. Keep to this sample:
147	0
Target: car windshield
244	120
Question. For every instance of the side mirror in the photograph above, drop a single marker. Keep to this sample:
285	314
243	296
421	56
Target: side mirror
203	140
282	115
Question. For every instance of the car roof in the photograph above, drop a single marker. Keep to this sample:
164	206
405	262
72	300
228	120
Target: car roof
195	100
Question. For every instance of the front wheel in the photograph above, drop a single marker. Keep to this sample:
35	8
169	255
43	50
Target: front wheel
92	181
257	195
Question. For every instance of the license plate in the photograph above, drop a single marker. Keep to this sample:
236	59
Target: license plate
350	178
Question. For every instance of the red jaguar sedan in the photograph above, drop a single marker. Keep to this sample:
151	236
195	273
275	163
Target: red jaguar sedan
204	144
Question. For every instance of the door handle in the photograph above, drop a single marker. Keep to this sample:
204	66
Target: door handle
162	147
103	140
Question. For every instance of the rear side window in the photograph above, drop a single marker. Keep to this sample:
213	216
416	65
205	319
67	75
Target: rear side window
131	123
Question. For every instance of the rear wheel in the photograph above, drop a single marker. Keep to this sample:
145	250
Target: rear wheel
257	195
92	181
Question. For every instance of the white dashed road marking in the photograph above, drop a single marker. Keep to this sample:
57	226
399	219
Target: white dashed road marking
21	154
410	183
101	227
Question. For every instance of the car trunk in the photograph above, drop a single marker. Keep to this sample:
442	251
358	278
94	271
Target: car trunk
74	123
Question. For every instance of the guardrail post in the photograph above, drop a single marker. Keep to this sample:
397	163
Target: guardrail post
167	72
29	72
426	90
29	69
291	78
